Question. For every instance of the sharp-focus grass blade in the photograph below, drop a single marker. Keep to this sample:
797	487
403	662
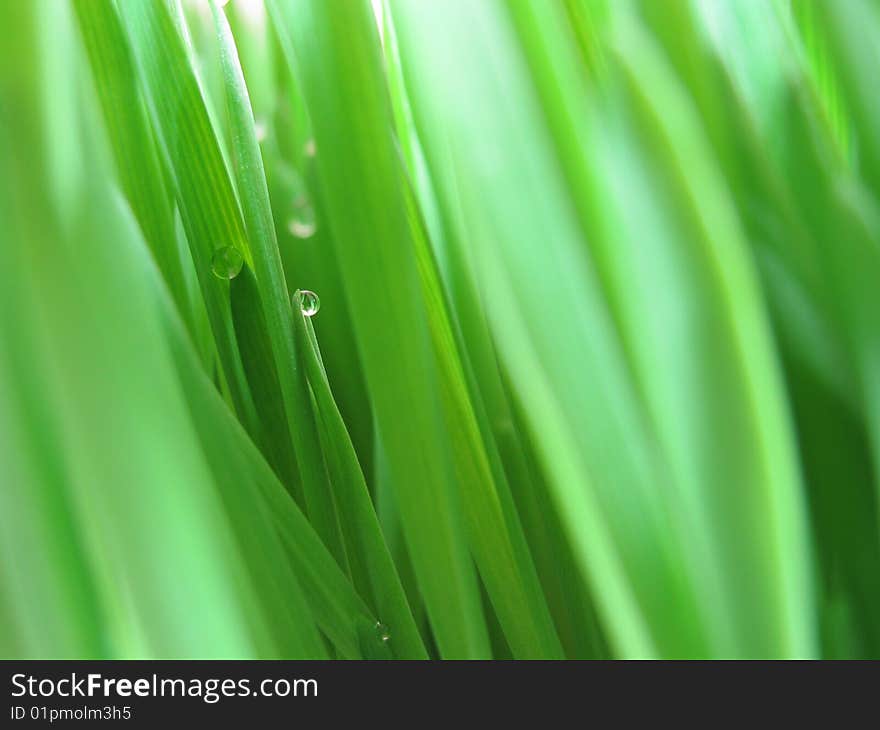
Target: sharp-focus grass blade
273	294
360	176
372	568
262	375
130	516
335	606
204	191
132	140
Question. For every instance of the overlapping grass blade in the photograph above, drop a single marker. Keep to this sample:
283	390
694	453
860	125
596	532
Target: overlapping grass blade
204	192
372	568
359	175
598	350
373	572
273	295
131	137
633	445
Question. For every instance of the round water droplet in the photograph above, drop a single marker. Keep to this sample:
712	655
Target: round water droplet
308	302
302	222
382	632
226	262
260	130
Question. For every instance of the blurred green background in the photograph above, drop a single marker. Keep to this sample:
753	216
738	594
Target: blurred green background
596	369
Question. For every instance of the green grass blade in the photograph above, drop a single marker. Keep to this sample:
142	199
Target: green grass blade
574	329
359	173
259	365
334	604
128	128
373	571
495	533
273	294
204	192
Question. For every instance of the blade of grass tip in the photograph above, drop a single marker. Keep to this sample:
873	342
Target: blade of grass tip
338	61
373	570
366	547
238	465
137	161
256	352
270	594
273	295
240	627
309	255
334	605
206	200
347	458
310	260
174	580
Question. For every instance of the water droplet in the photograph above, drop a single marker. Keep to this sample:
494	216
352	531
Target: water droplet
310	149
260	130
382	632
302	223
226	262
308	302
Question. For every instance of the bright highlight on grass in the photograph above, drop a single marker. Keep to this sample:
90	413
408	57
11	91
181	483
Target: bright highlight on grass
596	371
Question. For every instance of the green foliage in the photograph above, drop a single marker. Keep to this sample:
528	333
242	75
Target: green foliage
596	371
